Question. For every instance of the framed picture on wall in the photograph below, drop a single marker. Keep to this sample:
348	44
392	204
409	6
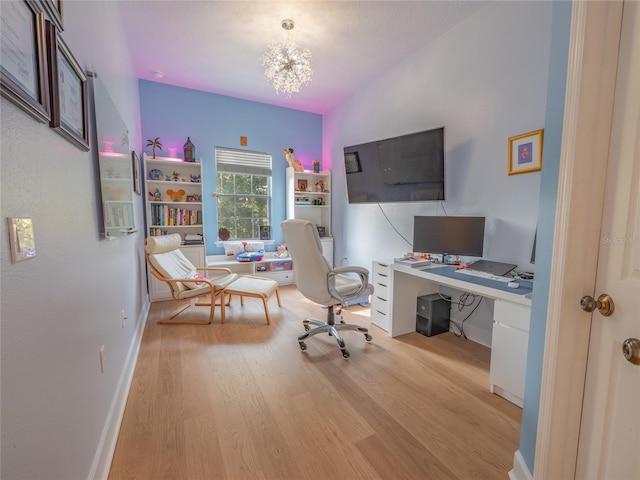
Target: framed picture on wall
525	153
54	9
68	90
23	59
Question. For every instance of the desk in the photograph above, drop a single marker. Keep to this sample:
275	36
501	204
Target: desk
512	311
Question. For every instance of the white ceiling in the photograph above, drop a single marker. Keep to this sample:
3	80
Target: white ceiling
217	46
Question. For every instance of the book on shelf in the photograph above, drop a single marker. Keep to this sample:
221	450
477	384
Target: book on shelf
414	262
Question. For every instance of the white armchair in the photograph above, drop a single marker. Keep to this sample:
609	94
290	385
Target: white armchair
168	264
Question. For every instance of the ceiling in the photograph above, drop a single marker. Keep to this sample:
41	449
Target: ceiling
217	46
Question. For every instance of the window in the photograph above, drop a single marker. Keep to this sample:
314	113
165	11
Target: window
243	184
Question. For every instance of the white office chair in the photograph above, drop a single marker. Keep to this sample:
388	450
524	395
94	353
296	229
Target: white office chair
322	284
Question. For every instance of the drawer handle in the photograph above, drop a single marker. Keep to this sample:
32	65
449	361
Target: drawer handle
383	284
383	299
381	313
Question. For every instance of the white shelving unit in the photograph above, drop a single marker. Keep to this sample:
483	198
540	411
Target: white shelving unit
309	198
278	269
174	205
117	193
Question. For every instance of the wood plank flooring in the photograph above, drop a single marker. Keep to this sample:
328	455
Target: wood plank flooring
240	401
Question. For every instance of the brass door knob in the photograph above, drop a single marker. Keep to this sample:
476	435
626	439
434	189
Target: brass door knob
604	304
631	350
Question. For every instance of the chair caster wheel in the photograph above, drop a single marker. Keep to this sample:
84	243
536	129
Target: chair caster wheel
303	346
368	337
306	327
346	354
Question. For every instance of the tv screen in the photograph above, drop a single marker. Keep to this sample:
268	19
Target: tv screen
450	235
408	168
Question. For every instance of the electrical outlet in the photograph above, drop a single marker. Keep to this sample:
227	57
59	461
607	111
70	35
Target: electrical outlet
123	317
103	359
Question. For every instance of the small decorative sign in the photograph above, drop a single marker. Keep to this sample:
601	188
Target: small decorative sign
23	243
265	232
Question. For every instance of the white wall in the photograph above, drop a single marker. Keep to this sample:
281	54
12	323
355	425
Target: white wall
485	81
61	306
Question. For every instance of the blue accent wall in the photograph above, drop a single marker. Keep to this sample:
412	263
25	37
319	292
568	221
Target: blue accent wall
175	113
560	31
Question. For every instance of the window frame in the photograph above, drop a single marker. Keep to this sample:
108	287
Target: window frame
229	161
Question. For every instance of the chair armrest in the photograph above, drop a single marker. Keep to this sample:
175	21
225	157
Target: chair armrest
362	273
219	269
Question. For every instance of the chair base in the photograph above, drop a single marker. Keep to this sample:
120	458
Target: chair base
171	320
332	329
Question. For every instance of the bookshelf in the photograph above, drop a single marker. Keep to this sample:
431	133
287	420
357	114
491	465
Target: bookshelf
173	204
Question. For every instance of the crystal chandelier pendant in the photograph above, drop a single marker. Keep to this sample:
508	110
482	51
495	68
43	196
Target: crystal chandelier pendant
287	66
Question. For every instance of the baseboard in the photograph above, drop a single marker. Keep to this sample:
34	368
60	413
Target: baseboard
520	470
107	445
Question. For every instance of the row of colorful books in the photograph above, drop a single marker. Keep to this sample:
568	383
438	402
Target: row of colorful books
165	215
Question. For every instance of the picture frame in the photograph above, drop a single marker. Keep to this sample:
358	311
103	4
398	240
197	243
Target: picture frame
265	232
135	164
24	75
525	152
54	9
68	91
352	163
302	185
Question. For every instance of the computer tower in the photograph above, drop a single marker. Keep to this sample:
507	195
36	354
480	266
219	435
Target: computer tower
432	314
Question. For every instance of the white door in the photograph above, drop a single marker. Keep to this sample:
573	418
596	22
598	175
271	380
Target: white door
609	442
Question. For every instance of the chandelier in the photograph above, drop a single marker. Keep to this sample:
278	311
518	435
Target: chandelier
287	65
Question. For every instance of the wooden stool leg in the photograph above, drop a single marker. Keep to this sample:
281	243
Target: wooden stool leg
278	297
266	309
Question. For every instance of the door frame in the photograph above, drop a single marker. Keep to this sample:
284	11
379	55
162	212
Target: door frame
590	88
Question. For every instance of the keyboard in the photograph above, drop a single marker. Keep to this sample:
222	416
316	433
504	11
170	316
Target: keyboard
489	276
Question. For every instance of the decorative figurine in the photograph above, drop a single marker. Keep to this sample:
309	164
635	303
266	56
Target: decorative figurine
176	196
316	166
154	144
295	164
175	175
195	178
157	196
189	151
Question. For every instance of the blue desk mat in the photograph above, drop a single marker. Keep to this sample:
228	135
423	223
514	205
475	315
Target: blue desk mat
526	286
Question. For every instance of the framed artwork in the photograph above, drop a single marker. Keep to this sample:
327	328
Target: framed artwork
352	163
23	58
54	9
525	153
302	185
21	239
68	90
265	232
135	160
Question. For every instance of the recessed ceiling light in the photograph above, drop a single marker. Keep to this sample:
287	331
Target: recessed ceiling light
158	74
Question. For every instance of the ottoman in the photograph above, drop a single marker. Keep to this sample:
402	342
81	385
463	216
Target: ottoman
249	286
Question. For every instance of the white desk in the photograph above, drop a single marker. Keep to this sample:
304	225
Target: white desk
512	311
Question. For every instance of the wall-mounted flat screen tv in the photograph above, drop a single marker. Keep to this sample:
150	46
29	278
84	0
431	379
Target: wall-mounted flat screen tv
408	168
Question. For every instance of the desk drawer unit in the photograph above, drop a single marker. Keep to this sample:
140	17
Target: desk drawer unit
509	350
380	298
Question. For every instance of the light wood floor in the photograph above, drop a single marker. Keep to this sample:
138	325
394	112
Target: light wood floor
240	400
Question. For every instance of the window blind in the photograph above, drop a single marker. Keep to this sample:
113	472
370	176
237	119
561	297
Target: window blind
243	161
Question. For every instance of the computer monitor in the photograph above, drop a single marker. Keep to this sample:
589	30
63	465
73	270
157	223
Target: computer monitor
450	235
